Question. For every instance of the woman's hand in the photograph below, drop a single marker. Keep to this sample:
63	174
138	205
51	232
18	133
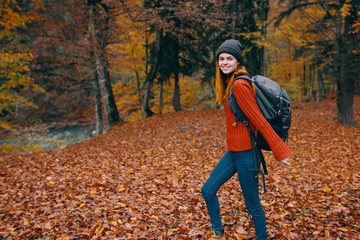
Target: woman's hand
285	161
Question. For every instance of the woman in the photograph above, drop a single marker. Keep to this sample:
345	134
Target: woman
239	157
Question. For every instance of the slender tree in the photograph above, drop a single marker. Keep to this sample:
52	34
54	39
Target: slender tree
98	30
150	77
98	108
347	42
263	10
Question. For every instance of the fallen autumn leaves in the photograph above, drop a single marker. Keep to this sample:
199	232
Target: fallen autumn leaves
142	180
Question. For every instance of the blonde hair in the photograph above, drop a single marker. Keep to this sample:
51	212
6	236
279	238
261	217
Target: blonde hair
221	92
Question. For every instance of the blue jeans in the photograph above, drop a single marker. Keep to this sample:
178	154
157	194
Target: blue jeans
242	163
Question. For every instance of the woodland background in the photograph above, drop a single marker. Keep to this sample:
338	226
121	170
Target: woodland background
80	62
143	73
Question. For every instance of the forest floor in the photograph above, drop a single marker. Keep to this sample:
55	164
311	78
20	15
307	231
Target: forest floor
142	180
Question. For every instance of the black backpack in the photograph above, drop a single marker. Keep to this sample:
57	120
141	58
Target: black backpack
274	104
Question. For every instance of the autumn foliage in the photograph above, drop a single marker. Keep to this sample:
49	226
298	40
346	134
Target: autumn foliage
142	180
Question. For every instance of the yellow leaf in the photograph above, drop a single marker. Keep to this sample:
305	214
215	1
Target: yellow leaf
327	189
153	216
121	204
99	230
174	178
81	205
48	225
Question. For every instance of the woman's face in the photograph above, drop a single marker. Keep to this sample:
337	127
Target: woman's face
227	63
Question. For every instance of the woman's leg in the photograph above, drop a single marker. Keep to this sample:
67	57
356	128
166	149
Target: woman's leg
223	171
250	187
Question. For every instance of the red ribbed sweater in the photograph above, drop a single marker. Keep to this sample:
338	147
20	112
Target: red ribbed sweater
238	138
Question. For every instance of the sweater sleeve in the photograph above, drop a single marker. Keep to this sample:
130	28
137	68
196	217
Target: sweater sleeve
245	97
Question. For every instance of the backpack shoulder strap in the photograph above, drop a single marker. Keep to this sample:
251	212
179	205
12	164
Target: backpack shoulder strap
234	107
251	80
236	110
246	77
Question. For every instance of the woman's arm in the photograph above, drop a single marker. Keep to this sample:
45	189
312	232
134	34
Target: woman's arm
245	97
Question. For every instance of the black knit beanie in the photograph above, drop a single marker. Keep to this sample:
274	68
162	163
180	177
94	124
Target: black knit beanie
232	47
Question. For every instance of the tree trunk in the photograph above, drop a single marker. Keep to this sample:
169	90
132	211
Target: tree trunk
264	9
312	80
304	81
347	80
138	87
345	85
322	86
146	98
346	102
98	108
176	97
97	31
154	65
233	22
323	89
319	86
339	91
161	99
